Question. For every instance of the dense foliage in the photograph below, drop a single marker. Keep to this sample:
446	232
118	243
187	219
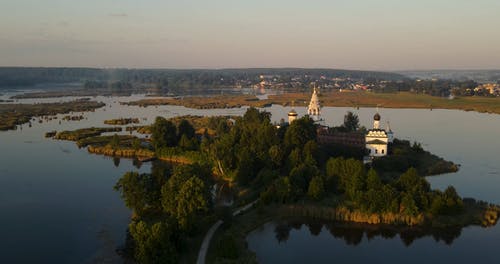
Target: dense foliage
282	165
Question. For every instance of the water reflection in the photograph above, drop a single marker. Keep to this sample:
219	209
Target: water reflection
353	233
116	161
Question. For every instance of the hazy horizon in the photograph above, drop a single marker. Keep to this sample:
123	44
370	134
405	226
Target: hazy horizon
385	35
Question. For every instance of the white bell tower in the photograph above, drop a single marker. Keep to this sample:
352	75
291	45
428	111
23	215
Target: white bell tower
314	109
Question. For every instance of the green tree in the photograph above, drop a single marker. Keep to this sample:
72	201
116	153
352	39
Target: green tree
185	129
163	133
299	132
310	152
141	192
187	143
186	193
283	190
316	188
408	205
136	143
353	178
351	121
190	199
373	181
153	243
334	169
276	156
114	142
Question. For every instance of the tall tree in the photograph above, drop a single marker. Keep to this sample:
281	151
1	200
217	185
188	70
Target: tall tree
163	133
351	121
185	128
153	243
299	132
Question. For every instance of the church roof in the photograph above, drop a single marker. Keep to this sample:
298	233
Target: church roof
376	117
376	142
292	113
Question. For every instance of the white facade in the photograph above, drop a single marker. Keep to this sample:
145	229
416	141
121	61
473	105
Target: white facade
376	148
377	139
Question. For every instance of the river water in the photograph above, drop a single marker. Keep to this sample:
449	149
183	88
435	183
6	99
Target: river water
57	203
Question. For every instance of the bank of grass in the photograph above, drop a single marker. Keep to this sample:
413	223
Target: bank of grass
200	102
121	121
83	133
12	115
139	129
338	99
122	152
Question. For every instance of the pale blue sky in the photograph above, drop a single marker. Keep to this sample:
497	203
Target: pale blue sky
352	34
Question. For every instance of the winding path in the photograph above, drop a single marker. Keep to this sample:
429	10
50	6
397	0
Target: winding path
202	254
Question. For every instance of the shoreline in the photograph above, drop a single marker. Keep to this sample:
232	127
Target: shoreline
474	215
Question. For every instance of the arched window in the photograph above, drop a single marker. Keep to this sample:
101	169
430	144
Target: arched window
376	151
382	151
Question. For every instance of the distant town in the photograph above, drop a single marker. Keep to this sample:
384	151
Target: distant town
180	82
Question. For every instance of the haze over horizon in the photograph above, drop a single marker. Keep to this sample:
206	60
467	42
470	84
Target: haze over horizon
381	35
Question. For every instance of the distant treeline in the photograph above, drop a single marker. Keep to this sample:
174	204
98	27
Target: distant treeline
20	76
25	76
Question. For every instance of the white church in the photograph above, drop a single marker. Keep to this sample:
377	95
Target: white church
376	139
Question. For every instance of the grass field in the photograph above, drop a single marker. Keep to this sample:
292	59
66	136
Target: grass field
338	99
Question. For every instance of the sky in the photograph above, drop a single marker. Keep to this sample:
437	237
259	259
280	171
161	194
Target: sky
347	34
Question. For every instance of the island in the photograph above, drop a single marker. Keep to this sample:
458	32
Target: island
12	115
236	173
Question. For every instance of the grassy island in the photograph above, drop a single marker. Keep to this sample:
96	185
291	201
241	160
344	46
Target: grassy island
121	121
12	115
289	174
84	133
230	101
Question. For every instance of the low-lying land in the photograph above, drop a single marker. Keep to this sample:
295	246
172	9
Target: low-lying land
337	99
12	115
83	133
230	101
121	121
75	93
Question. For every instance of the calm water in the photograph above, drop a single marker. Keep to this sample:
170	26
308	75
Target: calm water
467	138
57	203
